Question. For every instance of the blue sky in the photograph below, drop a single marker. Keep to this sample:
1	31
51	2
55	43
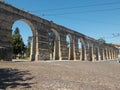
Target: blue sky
94	18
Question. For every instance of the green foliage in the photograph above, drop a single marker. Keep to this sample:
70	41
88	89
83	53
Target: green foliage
110	44
101	40
28	51
17	42
17	31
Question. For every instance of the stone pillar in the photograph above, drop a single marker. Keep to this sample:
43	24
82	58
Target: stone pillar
109	54
116	53
5	40
31	51
84	51
98	53
63	46
106	54
71	50
55	53
59	45
92	53
74	53
33	48
88	53
57	50
81	53
76	49
112	54
37	48
42	47
103	54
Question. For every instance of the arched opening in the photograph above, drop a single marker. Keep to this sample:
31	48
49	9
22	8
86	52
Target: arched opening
68	45
83	49
22	39
53	42
96	53
80	49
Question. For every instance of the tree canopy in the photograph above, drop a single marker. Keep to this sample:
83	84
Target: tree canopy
101	40
17	42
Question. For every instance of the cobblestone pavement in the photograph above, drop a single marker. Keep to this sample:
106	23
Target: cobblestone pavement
63	75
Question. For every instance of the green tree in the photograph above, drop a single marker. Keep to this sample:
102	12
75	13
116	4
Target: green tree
101	40
17	42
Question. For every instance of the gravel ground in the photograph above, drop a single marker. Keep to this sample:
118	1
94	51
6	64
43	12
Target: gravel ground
63	75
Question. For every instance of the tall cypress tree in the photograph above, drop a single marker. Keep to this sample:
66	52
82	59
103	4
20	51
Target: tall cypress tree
17	42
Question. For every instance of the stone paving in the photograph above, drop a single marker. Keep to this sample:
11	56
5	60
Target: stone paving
62	75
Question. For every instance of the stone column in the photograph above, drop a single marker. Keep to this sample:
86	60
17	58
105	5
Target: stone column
37	48
33	47
112	54
63	46
109	54
98	53
116	53
31	50
92	53
74	53
71	50
77	49
5	39
106	54
54	53
81	53
84	51
42	46
57	50
103	54
59	45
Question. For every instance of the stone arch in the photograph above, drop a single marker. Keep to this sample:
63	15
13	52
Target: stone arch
33	44
56	34
69	45
56	51
80	48
9	14
84	46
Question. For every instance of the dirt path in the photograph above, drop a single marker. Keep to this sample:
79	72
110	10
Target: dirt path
59	75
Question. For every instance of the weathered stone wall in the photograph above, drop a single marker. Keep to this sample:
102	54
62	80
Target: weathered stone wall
91	49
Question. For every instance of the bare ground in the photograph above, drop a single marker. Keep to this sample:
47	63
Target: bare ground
66	75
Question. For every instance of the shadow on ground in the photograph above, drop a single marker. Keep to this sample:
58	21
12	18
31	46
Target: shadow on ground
14	78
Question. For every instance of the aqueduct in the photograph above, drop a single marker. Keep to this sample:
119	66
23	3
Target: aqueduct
89	49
